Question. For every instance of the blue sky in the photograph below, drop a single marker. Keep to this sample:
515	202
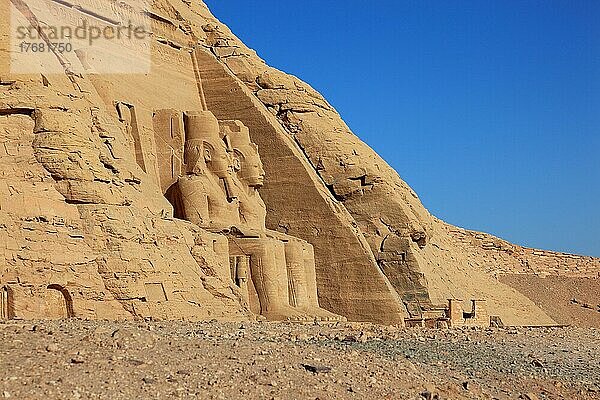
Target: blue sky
490	110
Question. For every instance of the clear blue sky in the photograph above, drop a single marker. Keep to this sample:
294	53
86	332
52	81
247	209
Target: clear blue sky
490	110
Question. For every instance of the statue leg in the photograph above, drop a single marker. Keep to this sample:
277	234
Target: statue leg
297	282
310	274
220	245
269	275
300	262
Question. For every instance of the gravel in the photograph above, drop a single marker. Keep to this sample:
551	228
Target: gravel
75	359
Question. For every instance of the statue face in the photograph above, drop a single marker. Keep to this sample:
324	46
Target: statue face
250	169
216	158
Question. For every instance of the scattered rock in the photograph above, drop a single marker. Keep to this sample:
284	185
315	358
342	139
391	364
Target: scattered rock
302	337
427	395
530	396
537	363
187	358
317	369
52	348
135	362
350	339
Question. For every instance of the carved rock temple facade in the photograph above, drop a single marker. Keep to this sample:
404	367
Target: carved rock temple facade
144	196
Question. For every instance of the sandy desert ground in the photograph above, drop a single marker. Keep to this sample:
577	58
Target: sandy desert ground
74	359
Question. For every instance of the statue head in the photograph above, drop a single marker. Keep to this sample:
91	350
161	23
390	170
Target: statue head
246	160
204	146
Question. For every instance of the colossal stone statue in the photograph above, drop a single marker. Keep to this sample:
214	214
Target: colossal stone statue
299	254
279	269
204	197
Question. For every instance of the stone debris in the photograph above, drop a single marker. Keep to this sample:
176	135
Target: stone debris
263	360
52	348
317	369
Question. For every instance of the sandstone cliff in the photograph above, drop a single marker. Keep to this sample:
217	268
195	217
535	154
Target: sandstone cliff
423	258
85	232
82	211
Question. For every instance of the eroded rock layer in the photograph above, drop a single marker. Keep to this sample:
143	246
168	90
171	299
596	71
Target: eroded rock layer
85	231
88	158
420	255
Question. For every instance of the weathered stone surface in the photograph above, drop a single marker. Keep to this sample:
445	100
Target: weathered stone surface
418	253
298	204
419	259
86	232
87	160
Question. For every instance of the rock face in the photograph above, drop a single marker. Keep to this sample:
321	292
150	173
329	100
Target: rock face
85	231
88	161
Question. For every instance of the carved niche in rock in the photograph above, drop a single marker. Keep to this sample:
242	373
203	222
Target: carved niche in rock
59	303
6	303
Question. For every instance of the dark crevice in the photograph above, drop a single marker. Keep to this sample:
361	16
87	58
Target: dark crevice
78	202
59	108
142	299
382	246
160	18
17	111
169	43
133	181
362	179
332	191
110	167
